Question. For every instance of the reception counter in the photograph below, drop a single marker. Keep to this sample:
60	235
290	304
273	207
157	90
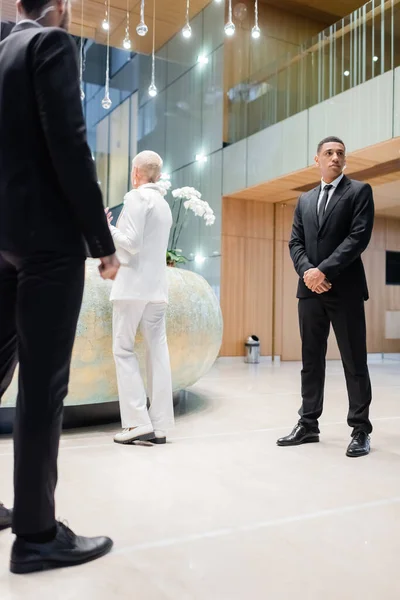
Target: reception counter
194	330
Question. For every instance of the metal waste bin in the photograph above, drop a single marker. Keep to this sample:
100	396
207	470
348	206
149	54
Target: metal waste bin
252	350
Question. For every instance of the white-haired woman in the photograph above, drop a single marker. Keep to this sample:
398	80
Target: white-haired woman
140	296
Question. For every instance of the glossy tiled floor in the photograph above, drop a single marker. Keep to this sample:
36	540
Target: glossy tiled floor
222	513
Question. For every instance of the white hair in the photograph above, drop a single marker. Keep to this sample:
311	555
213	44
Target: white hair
150	164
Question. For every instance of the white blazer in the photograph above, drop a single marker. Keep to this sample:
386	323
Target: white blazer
141	239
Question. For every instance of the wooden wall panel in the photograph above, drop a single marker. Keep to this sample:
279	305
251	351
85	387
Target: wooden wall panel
374	264
265	281
233	216
246	274
258	292
259	220
291	344
232	294
284	219
392	297
392	302
378	238
280	249
393	234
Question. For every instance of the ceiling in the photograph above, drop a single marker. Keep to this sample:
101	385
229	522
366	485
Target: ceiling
170	17
327	11
378	165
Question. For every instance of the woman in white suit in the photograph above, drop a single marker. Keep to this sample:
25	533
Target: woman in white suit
140	296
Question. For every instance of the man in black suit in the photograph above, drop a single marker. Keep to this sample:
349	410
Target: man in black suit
332	227
50	210
5	28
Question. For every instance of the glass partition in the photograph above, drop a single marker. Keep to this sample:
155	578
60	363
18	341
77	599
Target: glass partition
361	46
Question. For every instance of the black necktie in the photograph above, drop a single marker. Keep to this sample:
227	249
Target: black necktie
323	203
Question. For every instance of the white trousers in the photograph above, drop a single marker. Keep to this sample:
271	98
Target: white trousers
127	315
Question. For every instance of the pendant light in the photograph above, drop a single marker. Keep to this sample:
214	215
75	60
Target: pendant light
142	28
106	102
152	87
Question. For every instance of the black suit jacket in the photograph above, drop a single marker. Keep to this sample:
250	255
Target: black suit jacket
49	196
335	247
5	29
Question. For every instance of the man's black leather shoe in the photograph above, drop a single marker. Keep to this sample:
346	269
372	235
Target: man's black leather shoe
359	445
5	517
299	435
66	550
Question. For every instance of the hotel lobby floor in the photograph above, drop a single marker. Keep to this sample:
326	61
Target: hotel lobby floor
222	513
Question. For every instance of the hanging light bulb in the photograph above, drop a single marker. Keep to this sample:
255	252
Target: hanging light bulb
152	90
105	24
127	40
152	87
187	30
142	28
81	57
106	102
127	43
256	31
230	26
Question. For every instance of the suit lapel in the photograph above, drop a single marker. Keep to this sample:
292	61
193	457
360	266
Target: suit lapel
314	195
337	195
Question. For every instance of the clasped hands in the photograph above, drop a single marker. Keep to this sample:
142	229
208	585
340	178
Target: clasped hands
316	281
108	215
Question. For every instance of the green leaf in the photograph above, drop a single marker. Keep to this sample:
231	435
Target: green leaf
174	257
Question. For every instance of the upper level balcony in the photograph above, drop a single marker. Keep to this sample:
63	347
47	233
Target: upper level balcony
352	51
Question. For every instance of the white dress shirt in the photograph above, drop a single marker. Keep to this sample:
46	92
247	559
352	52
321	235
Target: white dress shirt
334	185
141	239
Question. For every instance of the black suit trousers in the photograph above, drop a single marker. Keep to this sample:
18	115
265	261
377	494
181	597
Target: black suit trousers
347	317
40	300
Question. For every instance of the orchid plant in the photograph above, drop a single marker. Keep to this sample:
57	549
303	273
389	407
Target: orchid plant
185	199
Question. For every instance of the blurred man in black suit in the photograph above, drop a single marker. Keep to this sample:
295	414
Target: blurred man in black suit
50	210
5	29
332	227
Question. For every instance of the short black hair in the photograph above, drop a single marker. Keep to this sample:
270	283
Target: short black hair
328	140
33	6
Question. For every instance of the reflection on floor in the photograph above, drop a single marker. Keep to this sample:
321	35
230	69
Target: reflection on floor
222	513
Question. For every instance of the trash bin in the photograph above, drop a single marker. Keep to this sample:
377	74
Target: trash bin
252	350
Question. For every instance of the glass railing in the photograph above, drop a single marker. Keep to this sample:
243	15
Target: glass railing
358	48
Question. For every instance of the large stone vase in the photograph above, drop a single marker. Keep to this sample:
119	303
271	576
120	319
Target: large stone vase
194	330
